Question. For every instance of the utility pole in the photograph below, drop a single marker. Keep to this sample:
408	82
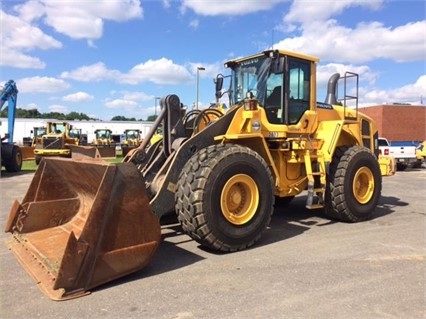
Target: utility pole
200	68
156	99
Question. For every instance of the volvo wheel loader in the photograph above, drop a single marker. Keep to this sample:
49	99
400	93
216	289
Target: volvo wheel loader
132	139
61	140
104	143
220	170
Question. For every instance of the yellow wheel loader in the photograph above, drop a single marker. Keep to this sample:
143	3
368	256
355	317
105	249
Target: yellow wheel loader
132	139
220	170
59	140
104	143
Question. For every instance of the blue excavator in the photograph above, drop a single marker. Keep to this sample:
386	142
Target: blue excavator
11	155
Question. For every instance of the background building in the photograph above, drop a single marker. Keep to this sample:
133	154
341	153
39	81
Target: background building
399	122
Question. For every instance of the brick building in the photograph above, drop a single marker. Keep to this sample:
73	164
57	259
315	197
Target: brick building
398	122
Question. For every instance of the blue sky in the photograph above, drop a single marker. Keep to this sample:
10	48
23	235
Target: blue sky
114	57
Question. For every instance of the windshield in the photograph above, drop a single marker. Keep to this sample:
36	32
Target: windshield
281	85
249	76
104	133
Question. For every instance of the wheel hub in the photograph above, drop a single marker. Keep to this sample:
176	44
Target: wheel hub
363	185
239	199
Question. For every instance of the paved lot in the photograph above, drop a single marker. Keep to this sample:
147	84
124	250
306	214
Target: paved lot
305	266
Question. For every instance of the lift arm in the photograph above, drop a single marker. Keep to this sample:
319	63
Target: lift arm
10	94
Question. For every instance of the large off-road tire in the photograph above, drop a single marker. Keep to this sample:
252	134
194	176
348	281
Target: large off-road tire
283	201
354	184
401	166
225	197
14	163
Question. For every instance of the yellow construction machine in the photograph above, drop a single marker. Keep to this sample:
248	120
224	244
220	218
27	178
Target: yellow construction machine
84	223
104	142
132	139
30	143
421	152
58	140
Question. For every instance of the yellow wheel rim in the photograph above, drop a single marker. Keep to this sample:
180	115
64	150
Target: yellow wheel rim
18	158
239	199
363	185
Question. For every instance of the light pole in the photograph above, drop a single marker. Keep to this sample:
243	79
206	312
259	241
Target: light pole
200	68
156	99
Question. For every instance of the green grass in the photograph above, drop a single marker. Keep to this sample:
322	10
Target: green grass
31	166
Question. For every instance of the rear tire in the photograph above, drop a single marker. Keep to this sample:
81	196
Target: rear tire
354	184
225	197
401	166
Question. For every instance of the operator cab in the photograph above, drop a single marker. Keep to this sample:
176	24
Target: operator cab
280	81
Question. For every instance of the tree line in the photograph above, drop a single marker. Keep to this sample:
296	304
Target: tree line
72	116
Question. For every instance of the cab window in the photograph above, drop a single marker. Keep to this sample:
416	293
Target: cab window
299	89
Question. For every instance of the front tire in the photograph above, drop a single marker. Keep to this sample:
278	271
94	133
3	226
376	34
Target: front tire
354	184
225	197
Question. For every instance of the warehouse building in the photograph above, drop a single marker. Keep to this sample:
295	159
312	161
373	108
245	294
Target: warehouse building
399	122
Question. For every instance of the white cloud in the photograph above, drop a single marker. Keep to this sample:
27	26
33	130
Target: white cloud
78	97
58	108
235	7
166	4
40	84
91	73
22	32
80	19
303	11
410	93
137	96
332	41
193	24
18	37
121	104
325	71
30	106
162	71
17	59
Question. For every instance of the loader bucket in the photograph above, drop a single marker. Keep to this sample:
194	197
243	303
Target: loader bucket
80	152
82	224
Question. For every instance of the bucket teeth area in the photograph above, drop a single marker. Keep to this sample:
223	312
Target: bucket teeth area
82	224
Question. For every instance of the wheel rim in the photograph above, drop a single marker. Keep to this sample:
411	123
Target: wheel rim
239	199
18	158
363	185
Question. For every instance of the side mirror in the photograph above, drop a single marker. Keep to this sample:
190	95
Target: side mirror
219	84
278	65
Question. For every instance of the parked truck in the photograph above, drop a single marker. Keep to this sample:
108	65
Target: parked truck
405	156
84	223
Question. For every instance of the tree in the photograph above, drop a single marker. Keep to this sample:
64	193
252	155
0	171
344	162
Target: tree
122	118
77	116
151	118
